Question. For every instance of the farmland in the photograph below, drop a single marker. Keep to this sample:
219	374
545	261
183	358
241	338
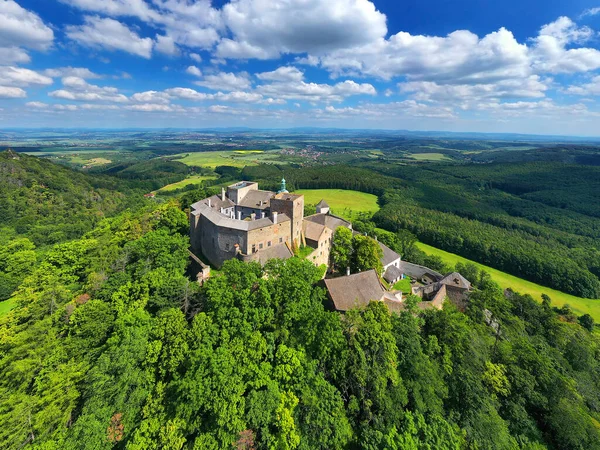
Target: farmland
344	203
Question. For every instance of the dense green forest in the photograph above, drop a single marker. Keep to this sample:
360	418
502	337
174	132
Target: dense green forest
112	345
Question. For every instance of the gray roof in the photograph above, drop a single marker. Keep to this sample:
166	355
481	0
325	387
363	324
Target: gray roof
215	202
330	221
355	290
389	255
257	199
455	279
322	204
416	271
312	230
279	251
392	273
222	220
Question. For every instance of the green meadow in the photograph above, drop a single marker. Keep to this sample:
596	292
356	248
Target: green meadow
6	306
193	179
429	157
344	203
234	158
505	280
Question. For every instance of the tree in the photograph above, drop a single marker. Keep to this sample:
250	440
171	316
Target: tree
367	254
341	249
587	322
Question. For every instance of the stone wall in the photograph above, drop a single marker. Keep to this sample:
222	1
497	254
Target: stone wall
275	234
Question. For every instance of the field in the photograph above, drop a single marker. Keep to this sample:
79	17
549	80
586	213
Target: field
344	203
235	158
194	179
6	306
579	305
429	157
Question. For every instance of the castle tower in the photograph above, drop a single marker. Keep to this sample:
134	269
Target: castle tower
292	206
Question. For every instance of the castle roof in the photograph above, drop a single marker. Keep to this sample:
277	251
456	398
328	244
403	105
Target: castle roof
222	220
278	251
312	230
322	204
330	221
355	290
455	279
391	274
389	255
257	199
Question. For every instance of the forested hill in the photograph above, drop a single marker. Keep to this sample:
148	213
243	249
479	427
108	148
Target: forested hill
42	204
112	346
49	203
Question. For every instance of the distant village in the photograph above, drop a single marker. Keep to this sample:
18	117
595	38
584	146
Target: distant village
250	224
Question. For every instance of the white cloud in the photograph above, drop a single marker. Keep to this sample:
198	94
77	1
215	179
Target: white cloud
131	8
550	54
80	72
13	55
267	28
284	73
12	92
384	111
18	76
151	97
152	107
78	89
193	70
226	81
111	35
23	28
166	45
192	24
300	90
186	94
196	57
37	105
590	88
591	12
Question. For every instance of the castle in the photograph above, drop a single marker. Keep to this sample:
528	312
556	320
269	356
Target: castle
250	224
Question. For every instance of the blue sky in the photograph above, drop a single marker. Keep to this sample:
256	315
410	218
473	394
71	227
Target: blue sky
479	65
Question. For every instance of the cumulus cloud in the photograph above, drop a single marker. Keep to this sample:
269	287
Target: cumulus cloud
12	92
20	77
314	92
591	88
267	28
23	28
80	72
284	73
75	88
379	111
550	53
151	97
226	81
193	70
13	55
111	35
196	57
166	45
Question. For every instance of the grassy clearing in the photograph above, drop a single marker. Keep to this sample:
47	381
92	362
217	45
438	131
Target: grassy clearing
578	304
344	203
194	179
404	286
6	306
235	158
429	157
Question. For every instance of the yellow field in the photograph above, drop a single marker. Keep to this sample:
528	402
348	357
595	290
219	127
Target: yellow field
429	157
505	280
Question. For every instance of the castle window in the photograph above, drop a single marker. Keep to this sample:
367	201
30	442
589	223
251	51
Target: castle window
280	240
253	248
260	246
227	246
269	244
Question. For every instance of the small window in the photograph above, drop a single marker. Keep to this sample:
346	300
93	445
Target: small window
280	240
269	244
227	246
253	248
260	246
